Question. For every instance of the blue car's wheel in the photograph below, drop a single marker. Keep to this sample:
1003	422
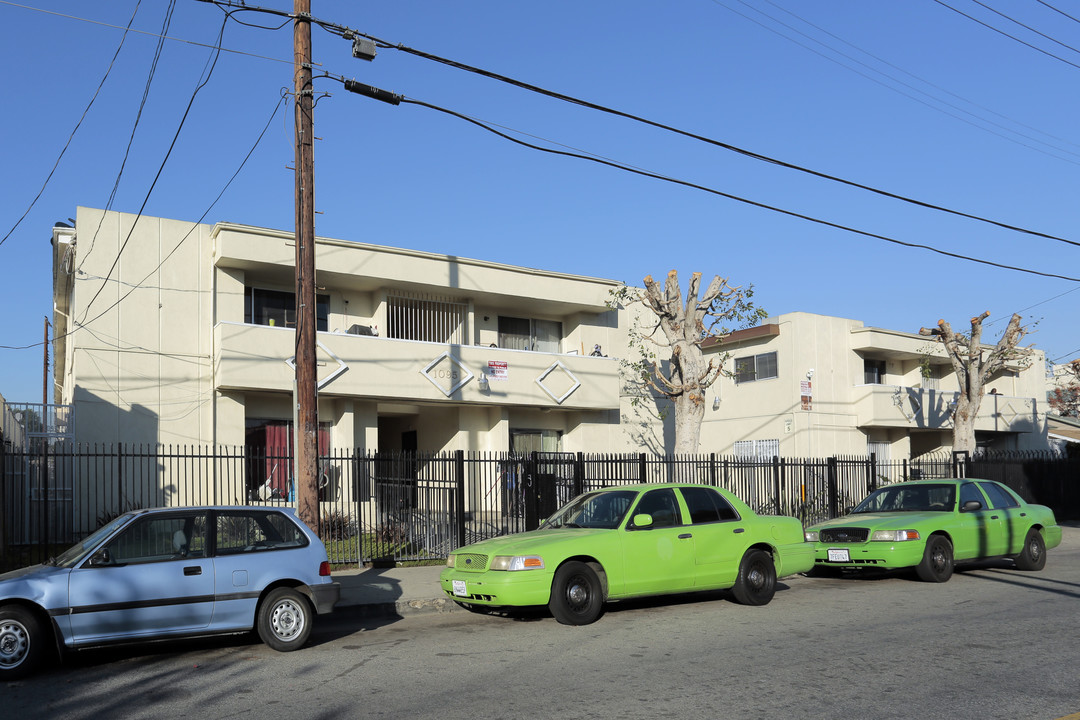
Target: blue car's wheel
937	562
284	620
576	594
22	642
1033	556
756	583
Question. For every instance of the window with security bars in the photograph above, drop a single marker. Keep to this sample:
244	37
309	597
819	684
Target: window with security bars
755	367
425	318
760	449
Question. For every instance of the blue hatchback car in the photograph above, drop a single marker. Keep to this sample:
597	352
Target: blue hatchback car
168	573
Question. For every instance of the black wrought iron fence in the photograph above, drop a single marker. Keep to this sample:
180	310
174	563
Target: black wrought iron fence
395	507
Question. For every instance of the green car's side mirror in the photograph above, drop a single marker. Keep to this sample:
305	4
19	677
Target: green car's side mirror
971	506
642	521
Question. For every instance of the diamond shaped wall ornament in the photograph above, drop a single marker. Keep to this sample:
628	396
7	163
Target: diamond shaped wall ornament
1009	413
341	366
574	382
447	373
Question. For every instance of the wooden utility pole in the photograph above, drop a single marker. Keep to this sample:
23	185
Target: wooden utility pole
45	374
306	449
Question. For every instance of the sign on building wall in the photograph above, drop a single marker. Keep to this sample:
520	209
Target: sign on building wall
806	394
498	370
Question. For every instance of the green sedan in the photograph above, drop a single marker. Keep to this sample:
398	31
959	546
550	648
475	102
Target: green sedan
930	525
629	542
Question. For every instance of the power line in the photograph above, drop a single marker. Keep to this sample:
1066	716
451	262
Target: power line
350	33
161	168
1026	27
136	286
1057	10
138	116
881	60
395	99
1002	32
71	137
711	141
144	32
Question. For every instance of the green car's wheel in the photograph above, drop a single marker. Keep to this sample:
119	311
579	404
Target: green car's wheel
937	562
756	583
1033	556
576	594
22	643
284	620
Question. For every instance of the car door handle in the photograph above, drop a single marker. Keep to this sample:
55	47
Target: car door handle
193	570
993	517
739	530
685	536
1023	514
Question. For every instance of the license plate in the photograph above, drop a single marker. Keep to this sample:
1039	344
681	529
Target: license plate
459	588
839	555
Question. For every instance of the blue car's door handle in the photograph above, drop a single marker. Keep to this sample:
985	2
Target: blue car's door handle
193	570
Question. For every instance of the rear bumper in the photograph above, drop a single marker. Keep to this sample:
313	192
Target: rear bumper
794	559
1052	536
325	597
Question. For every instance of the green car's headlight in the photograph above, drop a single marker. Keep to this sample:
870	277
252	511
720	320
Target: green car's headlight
894	535
517	562
811	535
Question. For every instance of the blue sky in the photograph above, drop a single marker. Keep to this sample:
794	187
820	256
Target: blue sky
908	97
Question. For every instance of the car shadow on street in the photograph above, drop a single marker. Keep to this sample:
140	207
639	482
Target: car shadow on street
534	614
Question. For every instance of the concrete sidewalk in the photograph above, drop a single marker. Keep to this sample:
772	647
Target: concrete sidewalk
388	591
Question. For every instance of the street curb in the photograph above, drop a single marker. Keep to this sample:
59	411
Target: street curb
400	607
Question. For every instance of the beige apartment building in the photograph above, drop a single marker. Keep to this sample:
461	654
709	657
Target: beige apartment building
188	339
805	385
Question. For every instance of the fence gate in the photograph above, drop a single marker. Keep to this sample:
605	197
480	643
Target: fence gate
551	480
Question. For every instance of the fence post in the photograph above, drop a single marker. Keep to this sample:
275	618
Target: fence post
459	495
4	485
712	469
776	484
871	481
119	478
643	473
579	474
834	499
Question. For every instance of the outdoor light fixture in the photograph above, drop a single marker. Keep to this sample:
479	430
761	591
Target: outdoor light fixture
483	382
716	403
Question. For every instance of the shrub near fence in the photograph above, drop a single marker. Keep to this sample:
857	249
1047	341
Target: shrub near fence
383	507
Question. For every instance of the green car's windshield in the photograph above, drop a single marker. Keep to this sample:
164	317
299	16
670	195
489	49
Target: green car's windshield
74	554
910	498
603	509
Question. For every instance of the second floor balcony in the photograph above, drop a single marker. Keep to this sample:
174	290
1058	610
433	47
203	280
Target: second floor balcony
930	409
251	357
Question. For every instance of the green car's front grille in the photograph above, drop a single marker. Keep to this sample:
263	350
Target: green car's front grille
844	535
471	562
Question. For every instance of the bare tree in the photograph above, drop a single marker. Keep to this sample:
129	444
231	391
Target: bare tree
1065	398
973	366
669	358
